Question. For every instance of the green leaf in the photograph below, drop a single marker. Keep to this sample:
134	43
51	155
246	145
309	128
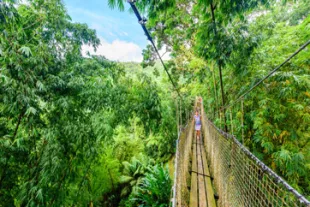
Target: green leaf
268	146
25	50
31	110
125	179
39	195
40	85
125	191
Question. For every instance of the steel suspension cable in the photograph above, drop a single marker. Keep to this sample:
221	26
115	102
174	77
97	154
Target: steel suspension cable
267	76
142	21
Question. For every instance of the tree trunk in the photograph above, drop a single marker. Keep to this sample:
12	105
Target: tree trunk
212	8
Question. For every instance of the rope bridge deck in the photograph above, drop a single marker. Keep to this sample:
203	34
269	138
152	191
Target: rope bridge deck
201	191
239	178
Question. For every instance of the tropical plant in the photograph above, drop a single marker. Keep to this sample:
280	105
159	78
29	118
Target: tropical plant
133	173
154	189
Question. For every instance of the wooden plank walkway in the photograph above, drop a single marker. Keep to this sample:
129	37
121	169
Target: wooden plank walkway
202	194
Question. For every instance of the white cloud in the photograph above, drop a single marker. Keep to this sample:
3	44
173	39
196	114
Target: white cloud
118	50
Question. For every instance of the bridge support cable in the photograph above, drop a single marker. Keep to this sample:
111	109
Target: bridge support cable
240	178
238	174
267	76
142	21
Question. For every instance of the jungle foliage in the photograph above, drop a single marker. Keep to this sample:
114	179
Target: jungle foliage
75	131
220	49
78	131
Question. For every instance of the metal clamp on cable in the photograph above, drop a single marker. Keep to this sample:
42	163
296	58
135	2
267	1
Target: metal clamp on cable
143	21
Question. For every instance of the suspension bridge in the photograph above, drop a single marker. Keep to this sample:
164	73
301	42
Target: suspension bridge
217	170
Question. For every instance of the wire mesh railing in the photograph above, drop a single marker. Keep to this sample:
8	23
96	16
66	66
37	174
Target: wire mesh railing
182	179
181	191
240	178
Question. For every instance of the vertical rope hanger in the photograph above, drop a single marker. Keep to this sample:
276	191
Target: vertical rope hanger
142	22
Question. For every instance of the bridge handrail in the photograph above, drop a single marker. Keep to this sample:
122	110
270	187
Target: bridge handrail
240	178
180	189
264	167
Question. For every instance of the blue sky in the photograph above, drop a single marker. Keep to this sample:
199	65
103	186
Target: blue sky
120	33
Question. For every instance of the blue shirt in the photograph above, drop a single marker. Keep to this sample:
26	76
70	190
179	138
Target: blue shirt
197	120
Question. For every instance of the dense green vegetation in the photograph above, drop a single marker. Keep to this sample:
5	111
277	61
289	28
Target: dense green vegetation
222	48
78	131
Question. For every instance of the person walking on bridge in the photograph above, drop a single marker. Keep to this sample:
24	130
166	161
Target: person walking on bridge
197	120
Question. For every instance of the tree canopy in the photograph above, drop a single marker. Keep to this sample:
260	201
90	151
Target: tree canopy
77	131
